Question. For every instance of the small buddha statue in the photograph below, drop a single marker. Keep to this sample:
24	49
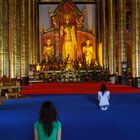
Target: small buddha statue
38	67
69	64
48	51
88	52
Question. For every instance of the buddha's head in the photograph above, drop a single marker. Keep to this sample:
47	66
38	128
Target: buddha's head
67	18
48	41
88	42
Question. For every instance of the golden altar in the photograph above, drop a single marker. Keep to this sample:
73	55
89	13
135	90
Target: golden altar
67	49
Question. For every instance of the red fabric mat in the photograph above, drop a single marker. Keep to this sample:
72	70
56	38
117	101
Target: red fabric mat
75	88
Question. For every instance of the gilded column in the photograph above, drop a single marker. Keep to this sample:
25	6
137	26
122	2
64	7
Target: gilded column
12	38
98	22
35	35
17	39
24	37
1	39
136	42
38	51
5	39
30	30
122	54
99	43
111	37
33	31
104	34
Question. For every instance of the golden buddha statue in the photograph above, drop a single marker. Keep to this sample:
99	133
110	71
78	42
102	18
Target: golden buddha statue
69	64
48	50
67	32
88	52
38	67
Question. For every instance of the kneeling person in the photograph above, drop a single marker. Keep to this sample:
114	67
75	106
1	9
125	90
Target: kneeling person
103	97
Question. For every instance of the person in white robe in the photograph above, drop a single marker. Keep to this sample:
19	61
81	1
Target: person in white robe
103	97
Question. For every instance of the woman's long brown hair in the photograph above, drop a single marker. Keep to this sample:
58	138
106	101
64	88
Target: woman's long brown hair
48	115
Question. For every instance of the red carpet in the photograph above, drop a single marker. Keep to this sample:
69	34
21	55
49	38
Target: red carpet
75	88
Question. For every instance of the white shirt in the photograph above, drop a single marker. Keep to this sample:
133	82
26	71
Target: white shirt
103	98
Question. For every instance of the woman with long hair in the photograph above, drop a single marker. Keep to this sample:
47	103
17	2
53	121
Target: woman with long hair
103	97
47	127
